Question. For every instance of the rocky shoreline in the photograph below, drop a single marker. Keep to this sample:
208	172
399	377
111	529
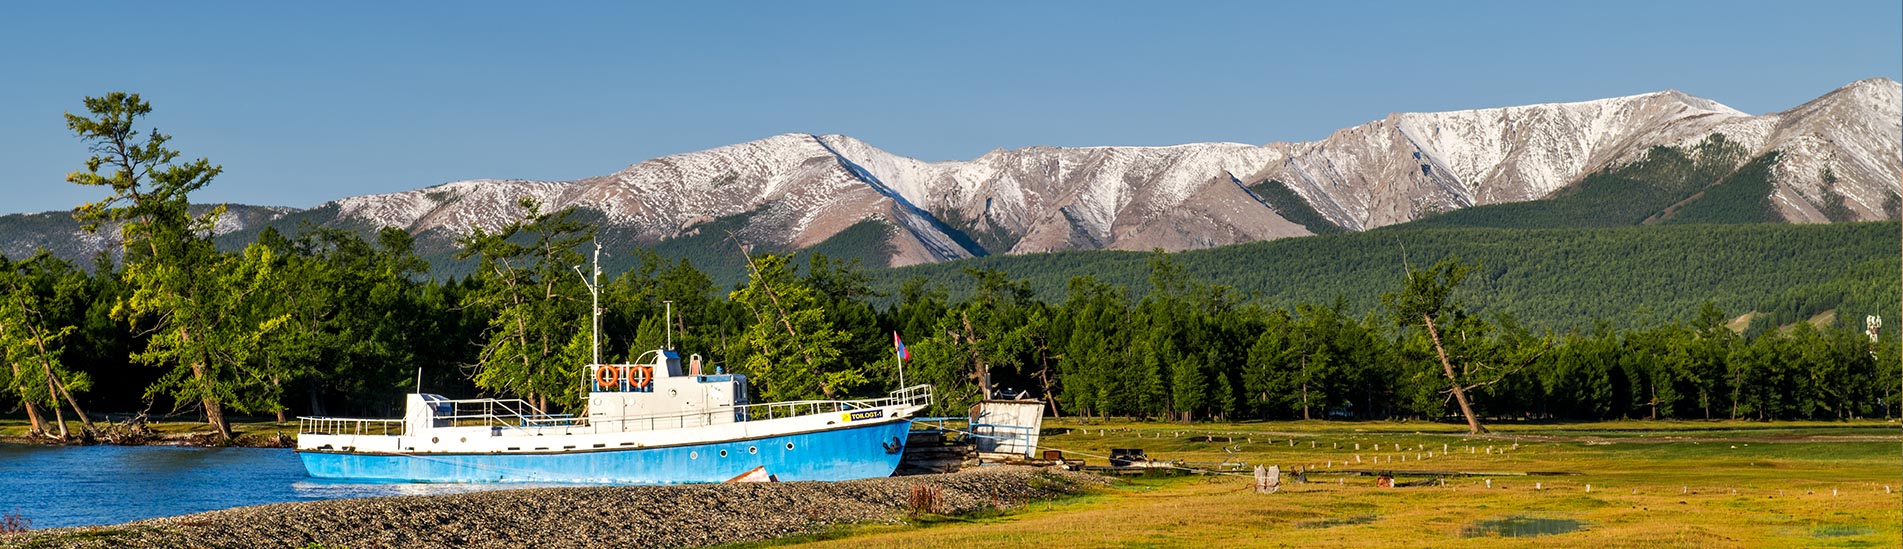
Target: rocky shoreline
611	516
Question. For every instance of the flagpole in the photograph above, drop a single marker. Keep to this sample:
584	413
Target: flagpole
898	354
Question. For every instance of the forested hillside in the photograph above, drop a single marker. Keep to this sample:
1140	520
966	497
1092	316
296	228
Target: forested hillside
1644	243
1706	177
1550	278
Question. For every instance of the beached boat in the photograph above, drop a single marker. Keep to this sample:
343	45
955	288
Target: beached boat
654	422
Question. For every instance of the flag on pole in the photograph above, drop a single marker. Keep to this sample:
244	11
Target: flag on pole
899	344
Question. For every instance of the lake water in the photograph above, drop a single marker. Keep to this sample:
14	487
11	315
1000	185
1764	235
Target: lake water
56	486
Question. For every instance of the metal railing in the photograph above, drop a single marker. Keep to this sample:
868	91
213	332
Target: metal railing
349	426
519	414
496	412
917	395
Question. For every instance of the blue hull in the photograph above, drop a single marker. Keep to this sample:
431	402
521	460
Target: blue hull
840	454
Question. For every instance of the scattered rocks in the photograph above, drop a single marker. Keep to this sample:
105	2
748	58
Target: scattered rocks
609	516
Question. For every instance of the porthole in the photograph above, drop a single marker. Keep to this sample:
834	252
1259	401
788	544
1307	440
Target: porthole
753	449
432	440
693	455
723	453
465	439
789	445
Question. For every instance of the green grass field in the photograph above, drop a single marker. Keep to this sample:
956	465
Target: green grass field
1653	484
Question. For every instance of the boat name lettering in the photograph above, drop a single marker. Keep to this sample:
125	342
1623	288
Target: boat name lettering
863	415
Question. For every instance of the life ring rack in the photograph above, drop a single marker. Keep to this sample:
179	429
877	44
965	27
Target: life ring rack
637	376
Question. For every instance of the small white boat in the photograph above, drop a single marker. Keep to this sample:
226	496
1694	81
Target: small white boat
651	423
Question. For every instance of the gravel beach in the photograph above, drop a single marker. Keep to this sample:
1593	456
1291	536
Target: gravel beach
612	516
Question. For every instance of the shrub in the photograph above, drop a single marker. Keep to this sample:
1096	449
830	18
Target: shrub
14	522
926	499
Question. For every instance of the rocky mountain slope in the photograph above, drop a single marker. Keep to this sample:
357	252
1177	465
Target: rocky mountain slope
21	235
1839	160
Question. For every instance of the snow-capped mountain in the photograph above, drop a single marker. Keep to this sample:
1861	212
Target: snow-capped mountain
795	189
1396	169
798	190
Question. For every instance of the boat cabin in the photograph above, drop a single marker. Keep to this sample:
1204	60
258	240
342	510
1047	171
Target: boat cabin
664	387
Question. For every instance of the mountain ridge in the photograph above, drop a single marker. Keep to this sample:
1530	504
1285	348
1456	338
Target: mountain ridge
1839	154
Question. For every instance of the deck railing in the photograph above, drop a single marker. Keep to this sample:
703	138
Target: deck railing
519	414
916	395
475	412
496	412
349	426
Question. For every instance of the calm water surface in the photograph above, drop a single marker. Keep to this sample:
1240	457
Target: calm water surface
58	486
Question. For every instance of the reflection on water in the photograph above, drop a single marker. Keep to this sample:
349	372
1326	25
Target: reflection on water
1517	526
92	485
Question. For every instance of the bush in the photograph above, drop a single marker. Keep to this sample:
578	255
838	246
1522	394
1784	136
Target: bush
926	499
14	522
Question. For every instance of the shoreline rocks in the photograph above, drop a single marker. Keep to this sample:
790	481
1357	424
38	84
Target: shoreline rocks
606	516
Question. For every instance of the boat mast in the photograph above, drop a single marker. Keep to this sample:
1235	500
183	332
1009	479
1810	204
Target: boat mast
594	304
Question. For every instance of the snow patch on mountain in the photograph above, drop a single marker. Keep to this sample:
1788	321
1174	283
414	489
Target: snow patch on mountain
801	188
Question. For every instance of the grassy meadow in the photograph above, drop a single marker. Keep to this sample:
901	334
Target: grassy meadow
1653	484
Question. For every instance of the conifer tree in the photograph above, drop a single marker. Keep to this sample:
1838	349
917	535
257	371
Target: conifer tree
793	351
193	298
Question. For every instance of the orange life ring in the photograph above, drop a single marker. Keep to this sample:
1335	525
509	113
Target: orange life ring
607	376
646	377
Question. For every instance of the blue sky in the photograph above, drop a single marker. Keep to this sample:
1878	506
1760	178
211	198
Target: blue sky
308	102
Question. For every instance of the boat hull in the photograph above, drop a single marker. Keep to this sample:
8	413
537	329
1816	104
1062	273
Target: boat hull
857	452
